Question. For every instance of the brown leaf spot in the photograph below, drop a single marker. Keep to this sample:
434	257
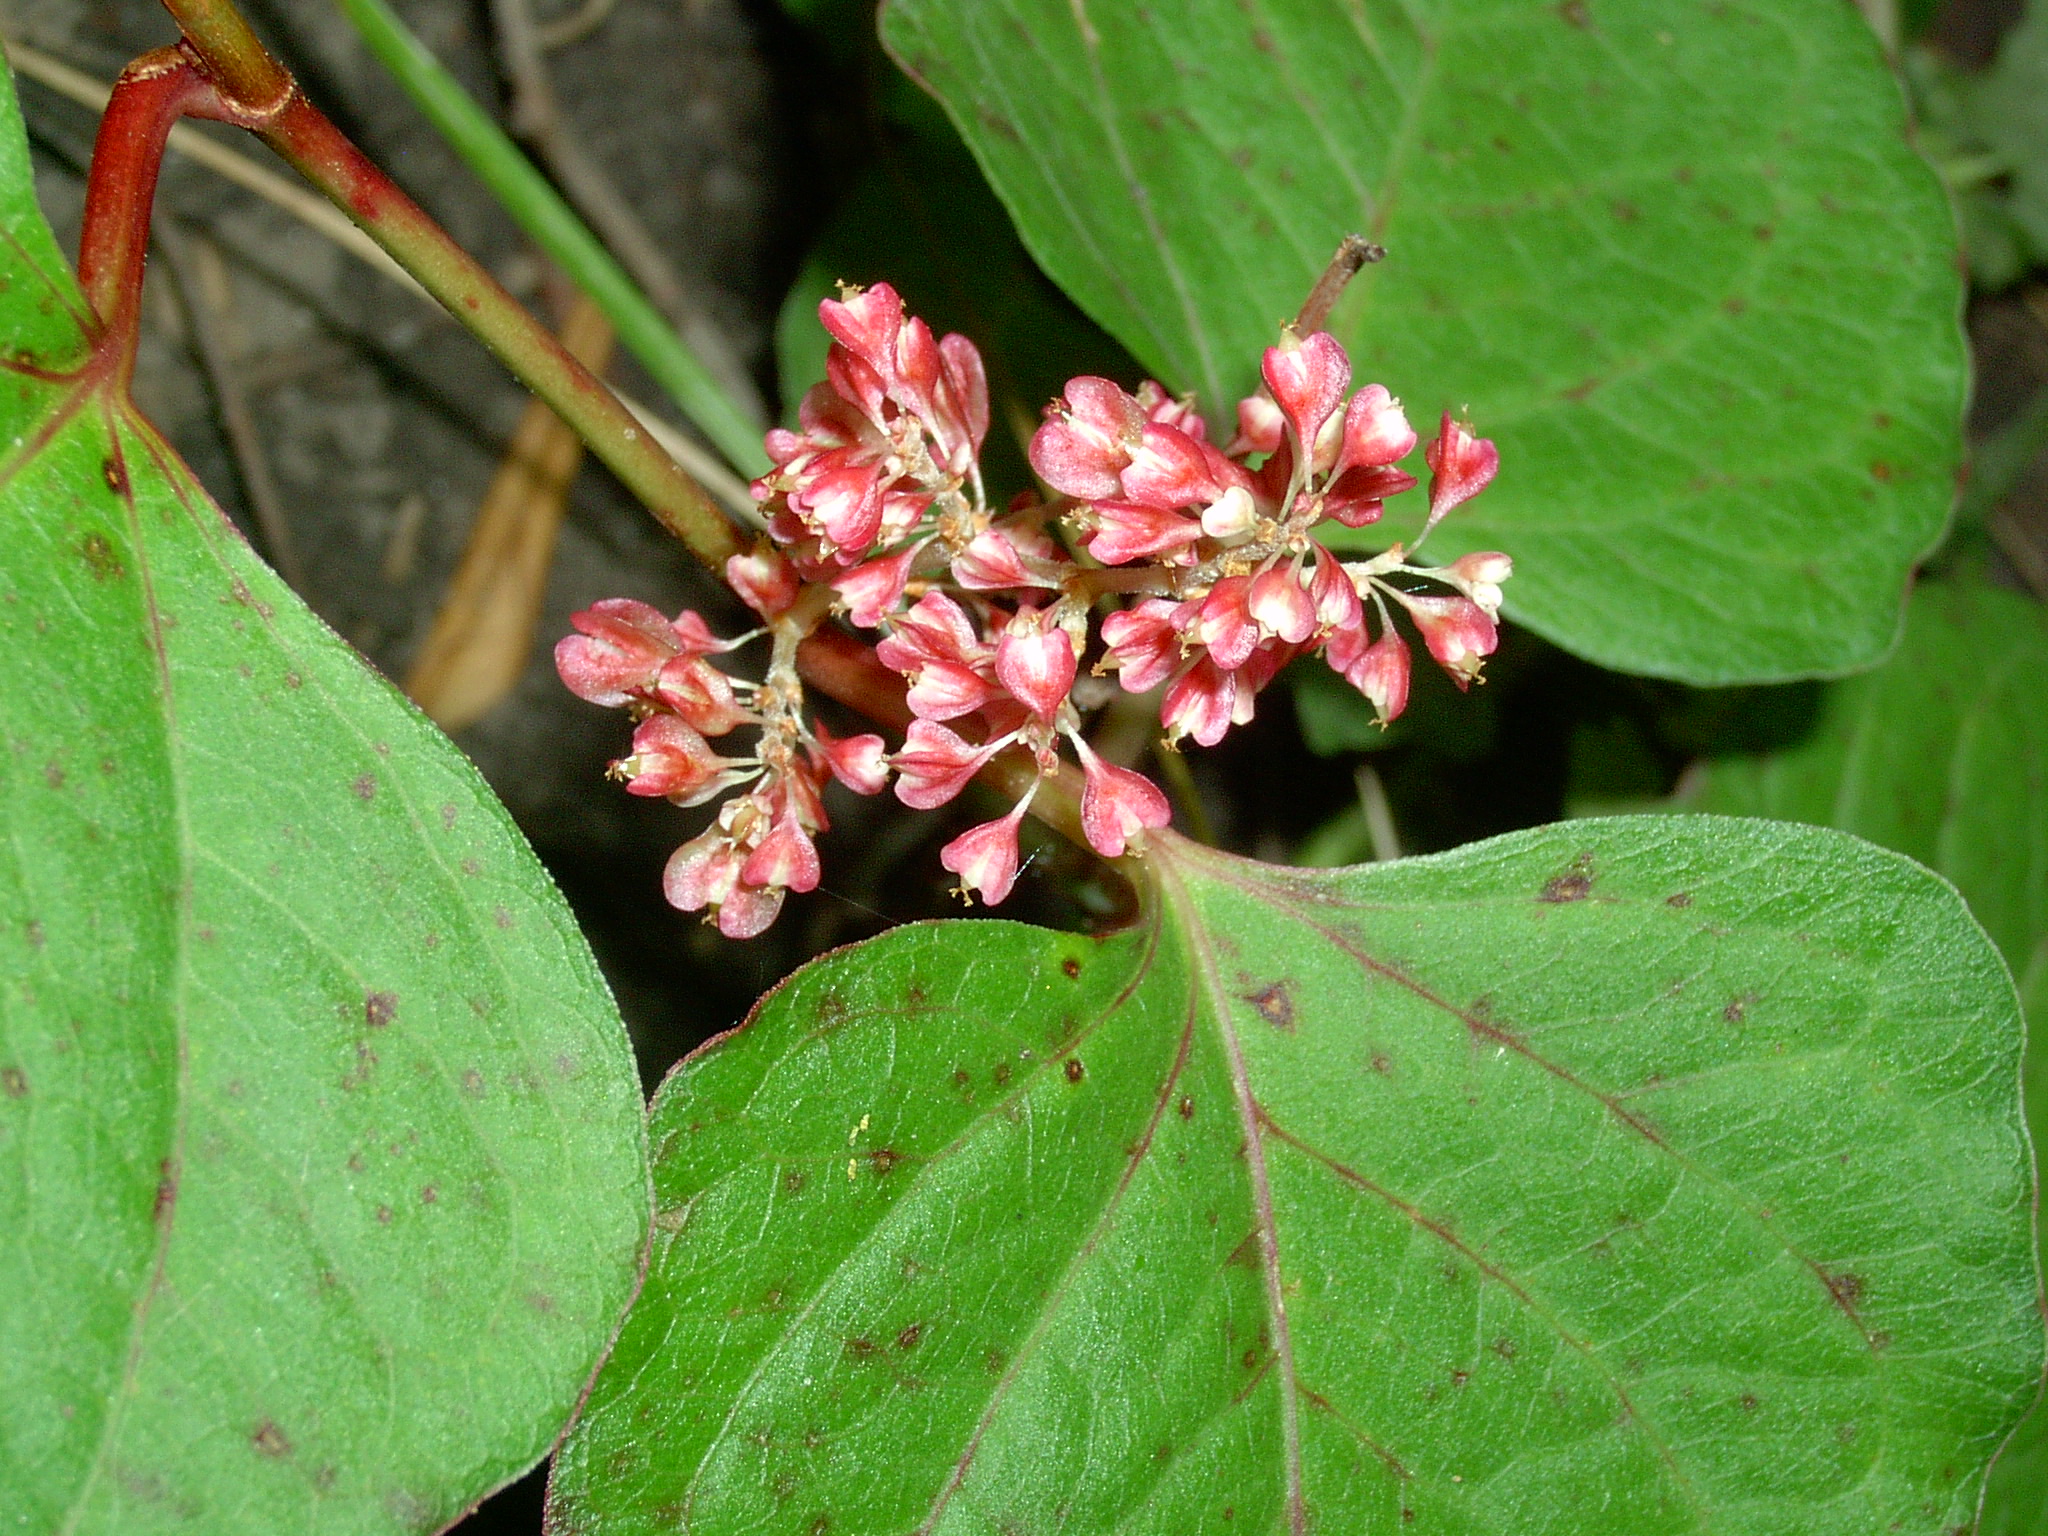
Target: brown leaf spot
1001	1073
1738	1007
116	475
35	933
1845	1289
1764	232
884	1161
1382	1063
1072	967
793	1181
473	1083
429	1194
1187	1108
166	1191
1074	1070
1275	1005
269	1440
910	1337
1747	1402
1578	392
501	917
860	1349
14	1082
1679	899
383	1215
1504	1347
540	1301
1574	883
53	774
379	1008
100	558
1880	470
1626	211
365	787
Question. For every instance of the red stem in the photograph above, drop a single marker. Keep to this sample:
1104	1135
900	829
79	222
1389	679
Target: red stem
151	94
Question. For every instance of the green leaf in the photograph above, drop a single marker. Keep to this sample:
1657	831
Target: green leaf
1633	1176
1942	754
1679	261
321	1157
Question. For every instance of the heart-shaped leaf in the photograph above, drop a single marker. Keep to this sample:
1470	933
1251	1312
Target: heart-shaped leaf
1678	260
1942	754
1648	1175
321	1171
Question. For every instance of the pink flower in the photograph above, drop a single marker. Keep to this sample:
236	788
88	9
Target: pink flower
1126	531
1010	555
785	857
1379	670
1035	662
1376	431
673	761
1171	411
1461	466
1086	439
623	647
935	764
1116	804
1199	704
1307	378
861	763
765	581
1169	470
1358	496
1480	574
985	857
701	694
1145	642
701	872
1457	631
1334	594
872	589
1260	426
1281	605
1225	625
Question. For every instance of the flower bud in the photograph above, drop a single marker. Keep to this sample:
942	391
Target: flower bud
1461	466
1116	804
1281	605
1036	664
985	857
1231	514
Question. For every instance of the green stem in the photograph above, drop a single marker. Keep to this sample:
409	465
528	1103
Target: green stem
555	228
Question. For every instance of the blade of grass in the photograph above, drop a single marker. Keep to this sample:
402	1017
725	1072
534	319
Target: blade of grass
499	163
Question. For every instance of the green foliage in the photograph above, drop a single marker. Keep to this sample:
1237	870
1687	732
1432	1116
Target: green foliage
1987	133
321	1167
1592	1179
1680	262
1942	754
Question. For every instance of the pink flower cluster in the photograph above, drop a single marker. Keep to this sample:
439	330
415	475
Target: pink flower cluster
1253	588
987	616
760	847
